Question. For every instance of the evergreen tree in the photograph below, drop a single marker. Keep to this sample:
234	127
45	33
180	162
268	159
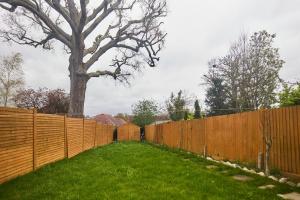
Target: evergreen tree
176	106
216	98
186	115
197	114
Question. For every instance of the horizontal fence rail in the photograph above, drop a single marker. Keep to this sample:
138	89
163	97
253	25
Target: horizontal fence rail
238	137
29	140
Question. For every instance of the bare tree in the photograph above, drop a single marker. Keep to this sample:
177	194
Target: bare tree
88	30
11	77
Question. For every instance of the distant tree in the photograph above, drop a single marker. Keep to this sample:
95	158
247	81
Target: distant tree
57	101
123	116
289	96
44	100
176	106
263	78
144	112
216	98
197	113
30	98
11	77
249	72
188	115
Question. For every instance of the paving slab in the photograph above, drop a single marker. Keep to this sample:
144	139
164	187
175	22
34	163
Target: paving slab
242	178
290	196
266	187
211	167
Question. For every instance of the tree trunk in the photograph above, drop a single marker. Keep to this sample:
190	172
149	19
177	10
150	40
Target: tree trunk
267	158
78	80
6	97
77	95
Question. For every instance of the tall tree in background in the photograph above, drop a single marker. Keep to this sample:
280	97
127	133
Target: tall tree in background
216	96
11	77
265	64
144	112
177	106
197	113
89	31
249	72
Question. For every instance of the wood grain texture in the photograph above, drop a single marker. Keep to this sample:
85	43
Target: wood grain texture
29	140
238	137
74	136
128	132
16	143
50	139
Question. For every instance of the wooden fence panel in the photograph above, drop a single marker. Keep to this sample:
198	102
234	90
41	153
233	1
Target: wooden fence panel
29	140
238	137
74	136
159	134
104	134
129	132
110	134
99	135
50	139
89	134
197	136
149	133
16	143
234	137
123	133
285	131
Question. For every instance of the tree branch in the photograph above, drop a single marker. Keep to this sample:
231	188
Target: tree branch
12	8
96	11
55	4
33	8
99	19
83	16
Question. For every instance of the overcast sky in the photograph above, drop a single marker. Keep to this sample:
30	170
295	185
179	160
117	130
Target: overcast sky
198	30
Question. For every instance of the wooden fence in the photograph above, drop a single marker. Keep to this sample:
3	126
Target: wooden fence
238	137
128	132
29	140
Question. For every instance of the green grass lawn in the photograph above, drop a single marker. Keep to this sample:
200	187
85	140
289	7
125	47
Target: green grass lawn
136	171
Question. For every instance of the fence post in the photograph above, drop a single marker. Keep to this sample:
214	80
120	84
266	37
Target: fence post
261	114
66	136
34	140
205	138
95	133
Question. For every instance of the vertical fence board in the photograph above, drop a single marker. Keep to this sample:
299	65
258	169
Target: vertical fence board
128	132
238	137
